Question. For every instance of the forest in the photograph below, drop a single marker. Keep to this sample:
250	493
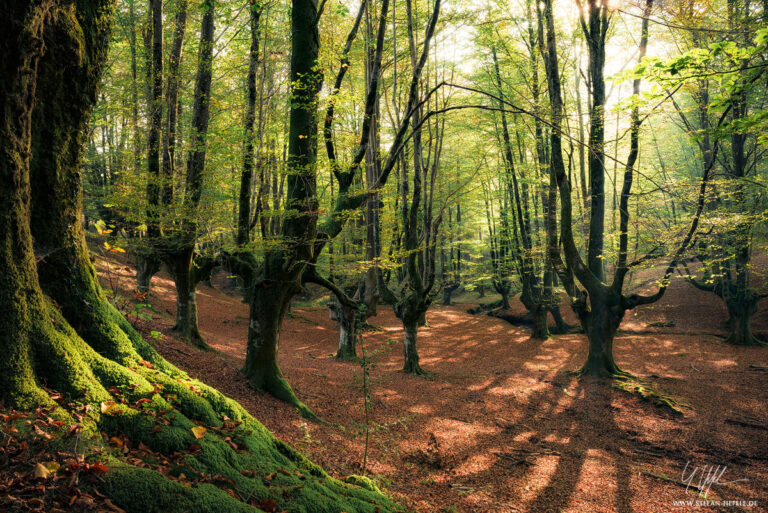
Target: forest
378	256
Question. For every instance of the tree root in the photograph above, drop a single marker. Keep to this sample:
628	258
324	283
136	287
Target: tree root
416	370
645	392
278	387
752	341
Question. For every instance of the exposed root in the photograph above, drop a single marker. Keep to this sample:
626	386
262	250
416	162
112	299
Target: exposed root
347	357
750	341
278	387
565	329
637	387
416	370
604	374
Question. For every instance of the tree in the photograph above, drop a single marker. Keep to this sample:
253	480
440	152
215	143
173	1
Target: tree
147	263
726	249
600	305
181	256
419	224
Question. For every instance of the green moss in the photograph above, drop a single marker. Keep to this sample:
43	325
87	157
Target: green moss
647	393
363	482
147	491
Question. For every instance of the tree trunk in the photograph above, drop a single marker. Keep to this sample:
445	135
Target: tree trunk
244	203
147	262
268	307
36	350
64	269
504	299
181	266
181	260
601	324
283	267
561	327
171	100
147	265
741	310
411	353
540	317
448	290
347	317
372	172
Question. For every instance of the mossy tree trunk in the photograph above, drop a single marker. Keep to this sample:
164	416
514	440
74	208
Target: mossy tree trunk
21	43
65	95
79	346
268	306
280	276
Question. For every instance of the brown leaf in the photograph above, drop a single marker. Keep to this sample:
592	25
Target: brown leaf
40	432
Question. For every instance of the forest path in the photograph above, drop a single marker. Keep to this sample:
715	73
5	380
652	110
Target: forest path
498	426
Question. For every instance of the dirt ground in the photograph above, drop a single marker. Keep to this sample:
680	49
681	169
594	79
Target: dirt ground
499	426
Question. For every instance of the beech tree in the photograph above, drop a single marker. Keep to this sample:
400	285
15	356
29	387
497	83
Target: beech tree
600	305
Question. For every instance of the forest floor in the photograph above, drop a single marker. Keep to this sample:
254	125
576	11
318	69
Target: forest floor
499	426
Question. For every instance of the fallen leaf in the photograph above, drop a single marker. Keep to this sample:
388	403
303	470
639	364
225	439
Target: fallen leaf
199	432
40	432
98	468
40	472
52	466
108	406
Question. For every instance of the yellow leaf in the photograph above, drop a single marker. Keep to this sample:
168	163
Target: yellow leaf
199	432
108	406
40	472
52	466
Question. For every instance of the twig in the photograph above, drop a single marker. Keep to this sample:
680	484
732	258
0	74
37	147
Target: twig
515	461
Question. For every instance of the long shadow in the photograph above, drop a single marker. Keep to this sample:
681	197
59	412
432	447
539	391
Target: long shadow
568	433
590	418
